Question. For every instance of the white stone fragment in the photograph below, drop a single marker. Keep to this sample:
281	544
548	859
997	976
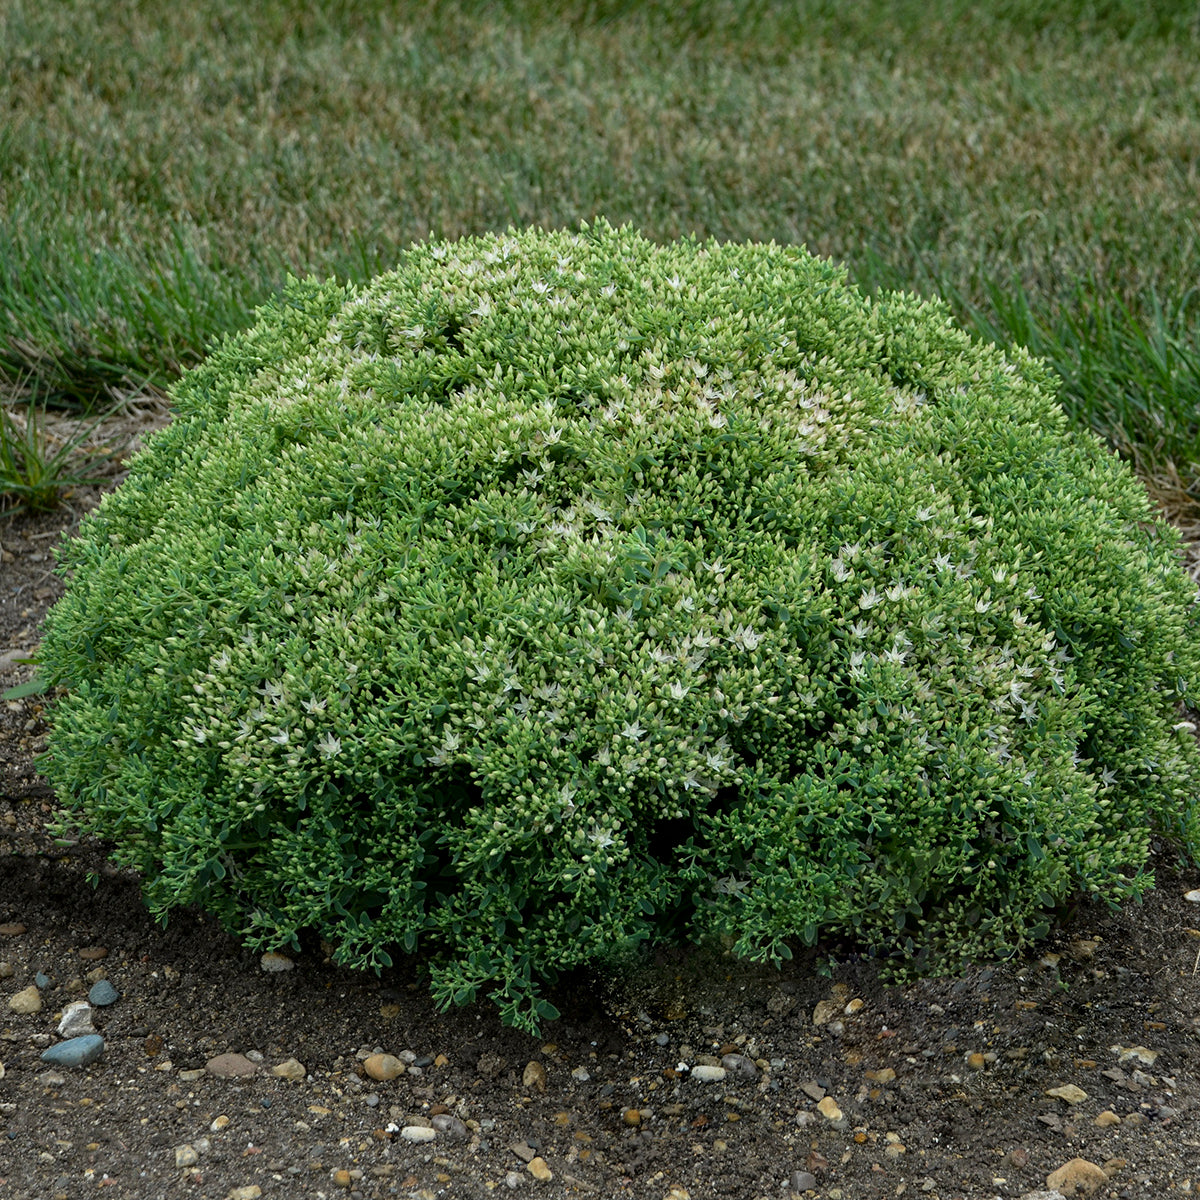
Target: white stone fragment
418	1133
76	1020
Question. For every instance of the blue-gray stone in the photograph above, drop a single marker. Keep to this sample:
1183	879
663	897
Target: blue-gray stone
75	1052
103	994
42	981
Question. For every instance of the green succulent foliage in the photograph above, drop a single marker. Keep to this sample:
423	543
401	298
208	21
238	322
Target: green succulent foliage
557	592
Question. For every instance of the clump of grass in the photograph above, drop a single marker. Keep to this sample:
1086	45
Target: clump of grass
85	318
38	470
1135	381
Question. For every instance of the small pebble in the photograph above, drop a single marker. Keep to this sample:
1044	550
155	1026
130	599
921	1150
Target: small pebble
540	1170
230	1066
418	1133
825	1012
250	1192
1075	1176
1144	1055
7	970
221	1122
77	1052
14	929
513	1181
450	1126
42	980
93	953
27	1001
382	1067
273	962
739	1066
186	1156
76	1020
289	1069
103	994
802	1181
707	1074
534	1076
828	1108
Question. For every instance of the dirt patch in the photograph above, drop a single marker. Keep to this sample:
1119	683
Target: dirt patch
959	1087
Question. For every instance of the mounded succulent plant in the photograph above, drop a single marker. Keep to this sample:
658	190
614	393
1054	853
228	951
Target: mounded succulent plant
560	591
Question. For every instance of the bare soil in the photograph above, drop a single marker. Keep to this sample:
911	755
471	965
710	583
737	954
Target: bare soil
942	1086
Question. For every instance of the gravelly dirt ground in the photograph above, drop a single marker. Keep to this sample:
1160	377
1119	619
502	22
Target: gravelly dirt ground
1111	1005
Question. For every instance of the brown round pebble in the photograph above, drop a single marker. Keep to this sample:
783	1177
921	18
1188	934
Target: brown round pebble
27	1001
631	1116
14	930
230	1066
289	1069
93	953
540	1170
383	1067
534	1076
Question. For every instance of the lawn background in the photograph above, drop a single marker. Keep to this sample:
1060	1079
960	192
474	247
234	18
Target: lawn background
1037	164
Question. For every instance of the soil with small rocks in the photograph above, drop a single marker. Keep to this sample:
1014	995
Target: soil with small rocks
697	1076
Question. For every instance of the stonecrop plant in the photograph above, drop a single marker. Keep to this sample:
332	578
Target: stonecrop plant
560	592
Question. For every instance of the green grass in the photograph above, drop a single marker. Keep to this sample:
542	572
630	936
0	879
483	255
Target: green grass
1037	163
34	472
